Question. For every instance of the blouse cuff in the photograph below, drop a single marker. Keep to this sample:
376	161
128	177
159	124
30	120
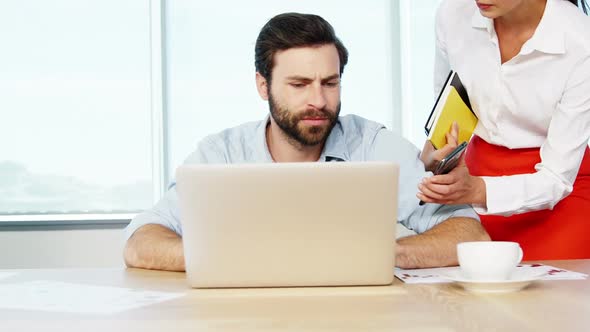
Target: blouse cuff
500	200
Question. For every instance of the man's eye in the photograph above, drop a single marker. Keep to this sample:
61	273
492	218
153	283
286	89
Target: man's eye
332	84
297	85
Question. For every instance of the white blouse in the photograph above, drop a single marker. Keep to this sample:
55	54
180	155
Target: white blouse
540	98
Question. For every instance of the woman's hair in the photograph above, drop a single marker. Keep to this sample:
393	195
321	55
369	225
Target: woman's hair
582	4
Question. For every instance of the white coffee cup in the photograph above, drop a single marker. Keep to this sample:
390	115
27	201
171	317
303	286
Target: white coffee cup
488	260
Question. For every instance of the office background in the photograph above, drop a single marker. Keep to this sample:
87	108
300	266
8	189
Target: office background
101	100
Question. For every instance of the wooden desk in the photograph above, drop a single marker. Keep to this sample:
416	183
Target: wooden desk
544	306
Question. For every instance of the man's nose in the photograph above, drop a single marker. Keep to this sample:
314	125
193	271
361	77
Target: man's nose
317	99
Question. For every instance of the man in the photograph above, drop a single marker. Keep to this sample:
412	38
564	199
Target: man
299	63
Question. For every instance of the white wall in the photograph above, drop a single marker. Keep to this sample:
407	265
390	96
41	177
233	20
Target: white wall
61	248
71	248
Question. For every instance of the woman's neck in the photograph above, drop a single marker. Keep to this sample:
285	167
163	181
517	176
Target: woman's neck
526	16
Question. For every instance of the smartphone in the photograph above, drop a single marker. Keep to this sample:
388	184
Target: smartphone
451	160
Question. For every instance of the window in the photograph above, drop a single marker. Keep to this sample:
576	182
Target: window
102	100
416	51
75	104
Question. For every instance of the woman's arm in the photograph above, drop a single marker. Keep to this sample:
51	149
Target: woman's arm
561	155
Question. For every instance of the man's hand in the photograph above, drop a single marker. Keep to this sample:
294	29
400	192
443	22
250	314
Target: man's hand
155	247
431	157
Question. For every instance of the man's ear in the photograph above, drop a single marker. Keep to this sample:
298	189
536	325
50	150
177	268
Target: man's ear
262	86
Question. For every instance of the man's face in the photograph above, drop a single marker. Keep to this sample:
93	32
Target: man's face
304	95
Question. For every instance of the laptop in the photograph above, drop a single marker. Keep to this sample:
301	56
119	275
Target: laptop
288	224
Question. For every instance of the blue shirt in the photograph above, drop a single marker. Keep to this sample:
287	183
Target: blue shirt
352	139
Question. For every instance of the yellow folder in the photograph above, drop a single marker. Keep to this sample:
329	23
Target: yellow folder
454	110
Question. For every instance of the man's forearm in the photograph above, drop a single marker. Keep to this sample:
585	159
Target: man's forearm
438	246
155	247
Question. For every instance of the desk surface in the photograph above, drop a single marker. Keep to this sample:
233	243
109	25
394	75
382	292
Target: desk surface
544	306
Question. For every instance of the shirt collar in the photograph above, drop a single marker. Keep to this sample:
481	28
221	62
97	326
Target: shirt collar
262	151
334	150
549	37
480	22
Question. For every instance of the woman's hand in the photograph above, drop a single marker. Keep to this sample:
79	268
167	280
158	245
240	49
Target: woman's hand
456	187
431	157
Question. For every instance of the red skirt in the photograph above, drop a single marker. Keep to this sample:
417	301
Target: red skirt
560	233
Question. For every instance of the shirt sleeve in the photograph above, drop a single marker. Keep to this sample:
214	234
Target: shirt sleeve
388	146
561	156
166	211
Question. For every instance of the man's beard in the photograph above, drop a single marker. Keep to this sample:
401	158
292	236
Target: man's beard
290	123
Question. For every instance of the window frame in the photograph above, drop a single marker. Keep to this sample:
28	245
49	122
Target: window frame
159	116
158	141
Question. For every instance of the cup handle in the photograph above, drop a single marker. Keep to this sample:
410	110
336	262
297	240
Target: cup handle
520	253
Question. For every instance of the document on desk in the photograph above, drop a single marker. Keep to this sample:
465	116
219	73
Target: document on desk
77	298
434	275
423	276
4	275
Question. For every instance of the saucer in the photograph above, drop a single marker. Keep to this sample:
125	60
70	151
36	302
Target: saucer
519	279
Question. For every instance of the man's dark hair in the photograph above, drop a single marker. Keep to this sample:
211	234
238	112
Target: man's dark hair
291	30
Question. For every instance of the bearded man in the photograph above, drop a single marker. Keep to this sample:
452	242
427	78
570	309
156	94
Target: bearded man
299	64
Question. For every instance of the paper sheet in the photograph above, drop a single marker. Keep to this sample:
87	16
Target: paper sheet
423	276
4	275
77	298
430	276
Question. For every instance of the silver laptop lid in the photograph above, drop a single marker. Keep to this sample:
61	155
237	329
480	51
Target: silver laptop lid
288	224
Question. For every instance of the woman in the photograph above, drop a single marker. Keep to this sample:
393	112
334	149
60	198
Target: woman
526	67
